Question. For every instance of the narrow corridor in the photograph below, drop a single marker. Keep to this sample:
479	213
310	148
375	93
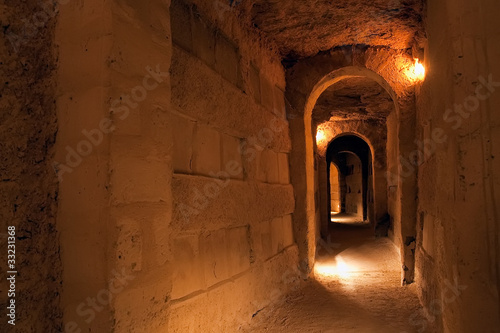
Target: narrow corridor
222	166
357	288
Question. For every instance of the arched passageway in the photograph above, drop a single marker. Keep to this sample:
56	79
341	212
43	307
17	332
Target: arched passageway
353	159
160	171
352	117
388	127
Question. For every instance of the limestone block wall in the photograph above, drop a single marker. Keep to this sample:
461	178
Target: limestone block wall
172	158
458	239
335	192
114	148
233	248
354	196
82	181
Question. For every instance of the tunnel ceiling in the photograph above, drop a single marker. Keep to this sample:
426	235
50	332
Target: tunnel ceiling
353	98
303	28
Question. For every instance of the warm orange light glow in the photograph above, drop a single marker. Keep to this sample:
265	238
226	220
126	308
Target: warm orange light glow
416	72
320	136
339	269
419	70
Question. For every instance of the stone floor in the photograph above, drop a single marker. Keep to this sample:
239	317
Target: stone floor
347	218
356	289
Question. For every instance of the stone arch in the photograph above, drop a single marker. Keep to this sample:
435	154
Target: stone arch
378	168
327	81
303	91
359	135
364	153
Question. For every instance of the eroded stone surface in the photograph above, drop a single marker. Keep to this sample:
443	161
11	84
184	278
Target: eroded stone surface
353	98
28	184
303	28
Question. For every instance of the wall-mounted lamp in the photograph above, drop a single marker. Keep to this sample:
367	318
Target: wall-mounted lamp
419	70
416	72
320	135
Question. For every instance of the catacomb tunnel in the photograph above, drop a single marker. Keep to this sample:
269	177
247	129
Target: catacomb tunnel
350	158
212	166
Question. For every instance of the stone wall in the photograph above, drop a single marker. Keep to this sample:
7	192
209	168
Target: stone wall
172	158
114	148
459	179
28	184
354	196
232	240
393	204
335	192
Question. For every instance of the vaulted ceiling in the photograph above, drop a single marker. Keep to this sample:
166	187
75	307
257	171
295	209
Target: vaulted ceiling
353	98
302	28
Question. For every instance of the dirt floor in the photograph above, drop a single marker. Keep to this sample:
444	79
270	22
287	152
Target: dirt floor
356	289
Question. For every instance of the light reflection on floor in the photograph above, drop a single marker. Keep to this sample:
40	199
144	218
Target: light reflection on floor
356	289
347	218
338	268
352	252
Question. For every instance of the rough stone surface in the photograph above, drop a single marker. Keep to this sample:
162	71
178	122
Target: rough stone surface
458	226
305	28
273	200
231	224
210	190
115	205
354	300
353	98
28	185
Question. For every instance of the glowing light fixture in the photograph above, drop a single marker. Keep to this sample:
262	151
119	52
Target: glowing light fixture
419	70
416	72
320	135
